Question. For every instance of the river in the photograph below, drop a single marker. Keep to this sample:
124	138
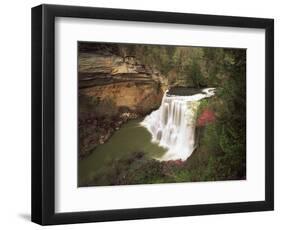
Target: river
131	137
166	134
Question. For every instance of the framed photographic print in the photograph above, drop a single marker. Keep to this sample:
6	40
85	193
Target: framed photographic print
142	114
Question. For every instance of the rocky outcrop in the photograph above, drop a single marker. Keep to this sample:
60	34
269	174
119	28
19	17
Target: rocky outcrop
139	97
125	81
97	69
109	80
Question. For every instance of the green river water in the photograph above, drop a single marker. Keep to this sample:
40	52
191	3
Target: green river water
130	138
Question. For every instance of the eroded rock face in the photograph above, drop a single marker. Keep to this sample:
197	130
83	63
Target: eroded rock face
136	96
111	64
118	89
125	81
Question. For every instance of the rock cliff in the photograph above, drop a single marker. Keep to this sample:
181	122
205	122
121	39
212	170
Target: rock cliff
112	90
125	81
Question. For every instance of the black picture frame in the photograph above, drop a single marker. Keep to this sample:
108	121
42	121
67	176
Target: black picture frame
43	114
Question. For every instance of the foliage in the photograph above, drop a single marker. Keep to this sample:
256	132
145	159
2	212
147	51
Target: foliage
225	140
184	66
206	117
221	151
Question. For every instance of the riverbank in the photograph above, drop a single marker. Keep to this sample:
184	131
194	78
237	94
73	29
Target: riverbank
129	139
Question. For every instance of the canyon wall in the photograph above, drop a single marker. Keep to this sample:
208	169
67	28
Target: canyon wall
124	81
112	90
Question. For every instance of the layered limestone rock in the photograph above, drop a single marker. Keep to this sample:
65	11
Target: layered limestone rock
113	90
125	81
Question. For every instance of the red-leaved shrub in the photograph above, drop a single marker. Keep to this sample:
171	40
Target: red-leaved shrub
207	116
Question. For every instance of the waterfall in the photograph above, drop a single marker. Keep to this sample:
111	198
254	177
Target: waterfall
173	125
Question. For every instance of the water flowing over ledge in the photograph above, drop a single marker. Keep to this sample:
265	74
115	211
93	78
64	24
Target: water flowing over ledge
173	125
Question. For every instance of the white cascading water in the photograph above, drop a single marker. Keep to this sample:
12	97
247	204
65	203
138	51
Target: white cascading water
173	125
